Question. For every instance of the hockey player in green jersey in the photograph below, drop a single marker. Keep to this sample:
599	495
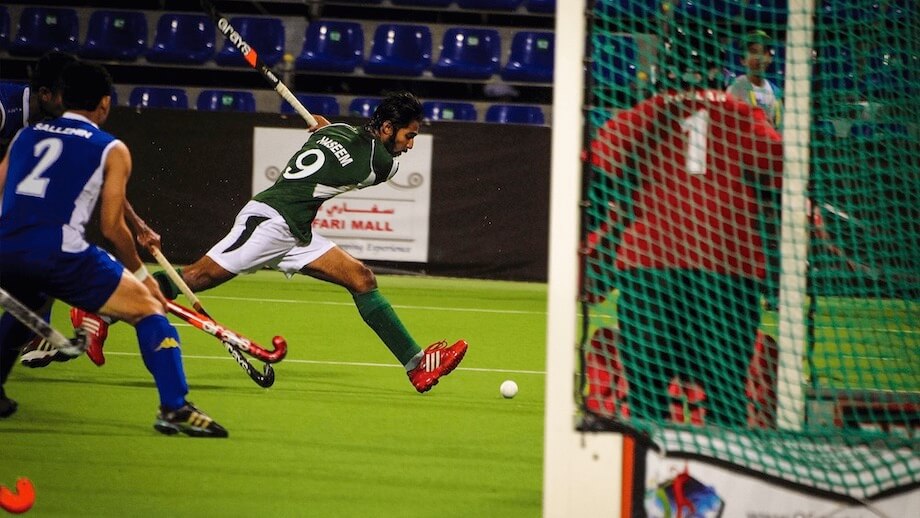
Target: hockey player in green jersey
275	228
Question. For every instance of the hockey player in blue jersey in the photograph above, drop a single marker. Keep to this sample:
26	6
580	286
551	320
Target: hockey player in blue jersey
22	105
52	176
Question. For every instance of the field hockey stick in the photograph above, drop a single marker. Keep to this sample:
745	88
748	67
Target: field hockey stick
222	333
70	346
265	379
252	57
239	342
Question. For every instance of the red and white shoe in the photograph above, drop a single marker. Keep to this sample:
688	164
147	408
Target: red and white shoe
97	330
437	360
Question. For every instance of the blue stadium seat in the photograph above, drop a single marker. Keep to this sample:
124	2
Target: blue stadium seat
449	111
847	11
627	8
767	12
182	39
325	105
331	46
363	106
490	5
118	35
403	50
515	114
469	53
4	28
708	10
531	57
46	28
157	97
266	35
540	6
226	101
835	70
114	96
423	3
615	59
888	72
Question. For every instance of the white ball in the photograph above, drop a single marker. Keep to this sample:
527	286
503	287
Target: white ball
508	389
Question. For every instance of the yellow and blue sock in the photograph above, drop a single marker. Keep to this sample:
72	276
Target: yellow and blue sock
159	344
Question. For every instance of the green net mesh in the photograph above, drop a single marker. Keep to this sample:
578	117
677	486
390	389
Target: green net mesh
759	315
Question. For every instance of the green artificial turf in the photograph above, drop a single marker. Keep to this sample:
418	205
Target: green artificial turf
341	433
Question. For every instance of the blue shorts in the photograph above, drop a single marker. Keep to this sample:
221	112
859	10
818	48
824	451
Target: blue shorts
86	279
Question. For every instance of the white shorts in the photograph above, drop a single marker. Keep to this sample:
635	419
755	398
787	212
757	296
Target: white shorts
261	238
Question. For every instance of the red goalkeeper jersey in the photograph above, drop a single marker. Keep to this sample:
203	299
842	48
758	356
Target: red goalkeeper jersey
699	157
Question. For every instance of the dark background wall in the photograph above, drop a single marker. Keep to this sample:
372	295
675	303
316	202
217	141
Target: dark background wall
489	194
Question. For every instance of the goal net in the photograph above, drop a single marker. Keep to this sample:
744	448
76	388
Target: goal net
750	239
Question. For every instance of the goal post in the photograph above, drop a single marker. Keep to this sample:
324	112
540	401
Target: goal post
581	470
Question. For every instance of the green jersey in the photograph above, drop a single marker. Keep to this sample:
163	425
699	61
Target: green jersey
335	159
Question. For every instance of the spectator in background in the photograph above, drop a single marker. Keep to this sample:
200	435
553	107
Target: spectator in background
753	87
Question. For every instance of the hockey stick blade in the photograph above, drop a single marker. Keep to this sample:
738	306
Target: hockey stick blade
223	334
264	379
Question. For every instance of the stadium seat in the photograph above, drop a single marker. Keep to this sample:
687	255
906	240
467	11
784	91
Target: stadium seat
615	59
490	5
325	105
627	8
114	96
540	6
888	72
118	35
766	12
45	28
423	3
449	111
226	101
4	28
708	10
847	11
515	114
363	106
182	39
531	57
835	71
156	97
469	53
332	46
266	35
397	49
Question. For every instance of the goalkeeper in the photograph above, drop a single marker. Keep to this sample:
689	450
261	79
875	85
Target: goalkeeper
689	260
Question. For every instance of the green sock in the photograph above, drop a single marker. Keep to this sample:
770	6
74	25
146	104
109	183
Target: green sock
379	315
167	286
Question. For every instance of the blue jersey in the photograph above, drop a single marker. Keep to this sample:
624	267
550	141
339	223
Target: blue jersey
53	182
14	108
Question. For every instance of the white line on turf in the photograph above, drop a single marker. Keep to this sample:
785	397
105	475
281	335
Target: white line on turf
326	362
426	308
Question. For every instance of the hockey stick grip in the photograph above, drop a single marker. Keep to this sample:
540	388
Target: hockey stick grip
252	57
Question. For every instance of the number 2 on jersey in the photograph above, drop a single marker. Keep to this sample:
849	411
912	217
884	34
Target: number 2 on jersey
33	184
697	126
